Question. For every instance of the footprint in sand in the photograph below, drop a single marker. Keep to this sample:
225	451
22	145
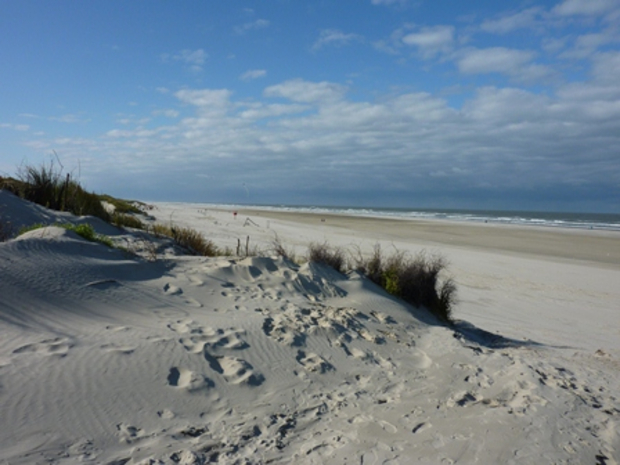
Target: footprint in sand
128	433
181	326
313	362
420	427
200	338
420	359
58	346
113	348
237	371
184	378
194	280
463	399
116	328
190	302
171	289
166	414
366	335
282	329
383	318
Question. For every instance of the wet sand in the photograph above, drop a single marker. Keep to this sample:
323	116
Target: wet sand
598	246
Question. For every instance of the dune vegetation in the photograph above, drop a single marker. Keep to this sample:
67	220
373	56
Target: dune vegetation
416	280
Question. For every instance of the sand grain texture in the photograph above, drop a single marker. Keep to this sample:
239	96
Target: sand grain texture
106	357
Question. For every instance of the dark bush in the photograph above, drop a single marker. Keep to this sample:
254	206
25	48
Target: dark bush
415	280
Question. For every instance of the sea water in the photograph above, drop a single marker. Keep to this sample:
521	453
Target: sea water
606	221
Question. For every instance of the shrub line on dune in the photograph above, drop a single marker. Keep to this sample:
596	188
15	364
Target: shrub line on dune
412	279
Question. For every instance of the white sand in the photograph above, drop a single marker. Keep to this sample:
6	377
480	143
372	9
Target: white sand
109	358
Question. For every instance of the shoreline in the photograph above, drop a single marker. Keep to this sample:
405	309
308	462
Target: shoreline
600	247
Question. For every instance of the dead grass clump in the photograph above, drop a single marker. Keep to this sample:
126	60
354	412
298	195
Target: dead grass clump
281	251
189	239
124	220
330	256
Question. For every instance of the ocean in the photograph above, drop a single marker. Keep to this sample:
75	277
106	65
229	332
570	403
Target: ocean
602	221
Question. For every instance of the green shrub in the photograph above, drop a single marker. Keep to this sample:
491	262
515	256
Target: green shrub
32	227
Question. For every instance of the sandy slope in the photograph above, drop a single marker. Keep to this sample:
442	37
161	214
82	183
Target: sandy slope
110	358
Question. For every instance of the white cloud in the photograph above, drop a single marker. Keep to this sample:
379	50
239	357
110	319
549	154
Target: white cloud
585	7
321	141
299	90
205	98
554	44
253	74
587	44
606	67
509	23
15	127
258	111
168	113
431	40
515	63
195	59
68	118
252	26
334	37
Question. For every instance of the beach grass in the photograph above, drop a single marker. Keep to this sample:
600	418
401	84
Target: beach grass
84	230
189	239
126	220
414	279
280	250
333	257
49	186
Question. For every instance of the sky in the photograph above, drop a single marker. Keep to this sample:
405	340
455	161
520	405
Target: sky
397	103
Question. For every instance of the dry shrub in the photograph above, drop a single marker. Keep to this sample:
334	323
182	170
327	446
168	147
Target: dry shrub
189	239
281	251
330	256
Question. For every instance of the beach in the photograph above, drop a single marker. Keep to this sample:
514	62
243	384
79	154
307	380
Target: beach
141	354
508	275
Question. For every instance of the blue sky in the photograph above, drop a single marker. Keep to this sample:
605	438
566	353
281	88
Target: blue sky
413	103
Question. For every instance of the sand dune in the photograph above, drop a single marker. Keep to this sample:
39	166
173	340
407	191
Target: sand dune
107	357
